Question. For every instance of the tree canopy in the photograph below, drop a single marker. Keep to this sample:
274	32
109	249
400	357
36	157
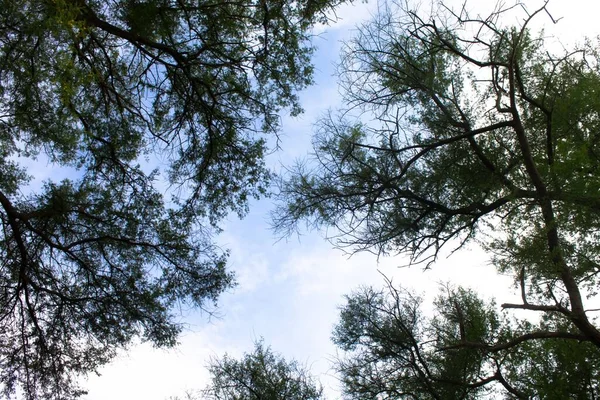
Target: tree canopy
461	128
260	375
131	96
466	349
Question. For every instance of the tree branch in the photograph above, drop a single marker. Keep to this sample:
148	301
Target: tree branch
537	335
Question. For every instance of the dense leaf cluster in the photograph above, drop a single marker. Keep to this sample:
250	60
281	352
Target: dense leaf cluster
465	350
260	375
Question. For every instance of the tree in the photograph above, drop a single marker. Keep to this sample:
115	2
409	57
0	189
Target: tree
466	350
260	375
479	133
117	92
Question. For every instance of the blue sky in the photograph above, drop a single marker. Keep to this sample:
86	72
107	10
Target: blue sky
289	290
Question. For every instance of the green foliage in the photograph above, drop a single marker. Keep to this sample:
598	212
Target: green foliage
466	350
260	375
90	263
477	132
392	348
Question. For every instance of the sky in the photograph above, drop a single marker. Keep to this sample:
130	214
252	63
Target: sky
290	290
